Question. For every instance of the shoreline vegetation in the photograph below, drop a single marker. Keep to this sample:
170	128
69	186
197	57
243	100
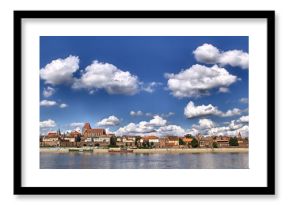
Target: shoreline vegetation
145	151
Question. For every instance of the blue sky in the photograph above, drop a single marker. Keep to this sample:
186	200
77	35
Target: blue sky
90	79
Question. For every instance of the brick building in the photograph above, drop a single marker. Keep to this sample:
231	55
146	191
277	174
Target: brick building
92	132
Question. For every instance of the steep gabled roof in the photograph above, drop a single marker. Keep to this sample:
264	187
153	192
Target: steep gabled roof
87	126
52	135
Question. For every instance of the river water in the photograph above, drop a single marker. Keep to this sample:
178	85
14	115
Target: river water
75	160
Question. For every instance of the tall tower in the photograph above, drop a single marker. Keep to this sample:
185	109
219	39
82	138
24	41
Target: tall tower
58	132
86	126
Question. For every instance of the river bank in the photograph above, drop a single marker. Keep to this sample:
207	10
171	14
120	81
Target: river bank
159	150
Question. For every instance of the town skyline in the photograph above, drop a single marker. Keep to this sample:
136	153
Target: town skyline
145	85
91	138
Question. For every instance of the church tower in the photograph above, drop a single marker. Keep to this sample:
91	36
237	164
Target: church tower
86	126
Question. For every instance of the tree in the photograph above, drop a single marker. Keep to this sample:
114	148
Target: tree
78	138
233	141
194	143
113	141
137	141
215	145
181	142
145	144
188	136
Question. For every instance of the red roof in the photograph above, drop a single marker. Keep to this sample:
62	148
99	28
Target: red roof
185	139
96	130
52	135
87	126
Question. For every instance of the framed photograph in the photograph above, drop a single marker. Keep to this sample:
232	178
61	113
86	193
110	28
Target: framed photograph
144	102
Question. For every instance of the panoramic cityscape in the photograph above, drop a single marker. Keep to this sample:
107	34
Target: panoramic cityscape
144	102
98	138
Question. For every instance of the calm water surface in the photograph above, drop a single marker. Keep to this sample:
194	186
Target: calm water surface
143	161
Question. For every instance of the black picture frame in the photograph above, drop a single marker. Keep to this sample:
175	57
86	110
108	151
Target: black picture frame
268	190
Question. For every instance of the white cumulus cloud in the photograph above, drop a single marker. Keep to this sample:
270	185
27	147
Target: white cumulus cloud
206	123
148	114
49	91
198	80
244	100
150	87
173	130
244	118
192	111
110	121
47	123
156	126
231	129
50	103
135	129
235	58
47	103
230	113
218	130
63	105
136	113
209	54
227	131
143	127
106	76
157	121
234	125
60	71
224	90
